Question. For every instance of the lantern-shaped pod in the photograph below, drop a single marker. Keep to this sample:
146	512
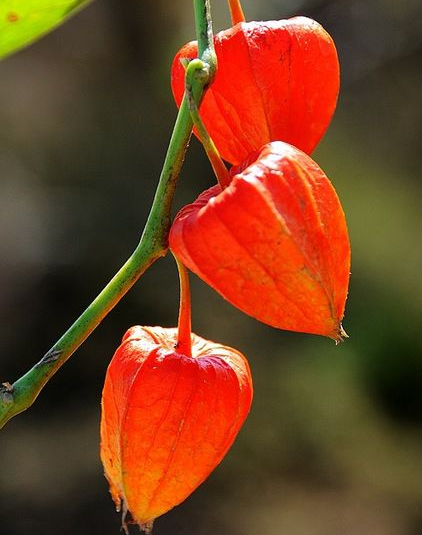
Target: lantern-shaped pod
276	81
168	419
274	243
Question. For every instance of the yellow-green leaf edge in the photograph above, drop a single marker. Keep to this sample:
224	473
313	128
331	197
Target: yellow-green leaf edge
24	21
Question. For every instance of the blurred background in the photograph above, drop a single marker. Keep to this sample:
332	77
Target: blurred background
333	444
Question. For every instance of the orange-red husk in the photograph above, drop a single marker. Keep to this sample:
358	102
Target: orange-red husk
276	81
274	243
168	419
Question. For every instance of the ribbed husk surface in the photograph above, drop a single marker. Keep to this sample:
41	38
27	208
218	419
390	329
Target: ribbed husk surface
274	243
168	419
276	81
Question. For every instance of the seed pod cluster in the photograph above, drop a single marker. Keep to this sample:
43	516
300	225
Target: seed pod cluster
274	243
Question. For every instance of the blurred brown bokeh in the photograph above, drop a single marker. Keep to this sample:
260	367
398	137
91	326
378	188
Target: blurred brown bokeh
333	444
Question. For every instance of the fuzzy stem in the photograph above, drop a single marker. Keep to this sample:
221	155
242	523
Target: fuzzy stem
17	397
236	11
184	326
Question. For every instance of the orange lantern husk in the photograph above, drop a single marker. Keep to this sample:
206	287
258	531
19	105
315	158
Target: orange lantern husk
276	81
168	419
274	243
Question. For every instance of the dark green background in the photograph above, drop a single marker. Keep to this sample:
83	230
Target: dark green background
333	444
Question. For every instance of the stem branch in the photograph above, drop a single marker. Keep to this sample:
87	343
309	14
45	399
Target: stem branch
236	11
17	397
184	327
196	70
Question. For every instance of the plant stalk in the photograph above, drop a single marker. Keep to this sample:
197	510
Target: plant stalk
184	325
17	397
236	11
195	70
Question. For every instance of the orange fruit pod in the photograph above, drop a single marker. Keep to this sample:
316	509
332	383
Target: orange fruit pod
274	243
276	81
168	419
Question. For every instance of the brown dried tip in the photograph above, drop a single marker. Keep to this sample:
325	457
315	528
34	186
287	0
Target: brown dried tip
341	335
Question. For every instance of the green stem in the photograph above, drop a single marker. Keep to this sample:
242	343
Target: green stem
204	35
17	397
196	70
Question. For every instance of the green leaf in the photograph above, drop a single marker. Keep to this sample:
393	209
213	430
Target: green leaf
24	21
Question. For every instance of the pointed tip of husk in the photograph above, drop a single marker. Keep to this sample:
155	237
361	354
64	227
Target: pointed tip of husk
128	518
124	511
340	335
146	527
